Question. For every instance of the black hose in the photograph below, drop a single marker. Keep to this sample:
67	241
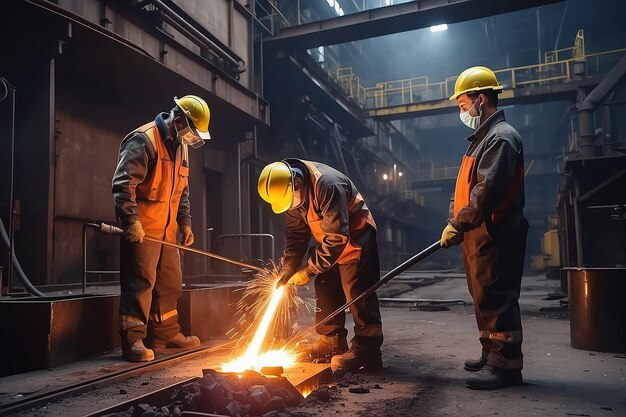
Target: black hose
18	268
8	240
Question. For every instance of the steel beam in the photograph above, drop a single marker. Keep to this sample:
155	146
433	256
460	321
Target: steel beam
392	19
528	95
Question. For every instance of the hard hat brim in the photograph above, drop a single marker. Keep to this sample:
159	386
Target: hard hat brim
203	135
498	89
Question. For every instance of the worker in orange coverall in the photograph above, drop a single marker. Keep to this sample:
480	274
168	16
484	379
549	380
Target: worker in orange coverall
486	216
151	193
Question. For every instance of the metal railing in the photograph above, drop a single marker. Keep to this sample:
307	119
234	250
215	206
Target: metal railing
412	195
260	236
89	271
427	171
556	68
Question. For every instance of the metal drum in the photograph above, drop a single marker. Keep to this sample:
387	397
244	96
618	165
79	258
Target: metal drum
597	308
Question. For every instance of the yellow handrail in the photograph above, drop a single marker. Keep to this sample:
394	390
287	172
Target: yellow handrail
555	68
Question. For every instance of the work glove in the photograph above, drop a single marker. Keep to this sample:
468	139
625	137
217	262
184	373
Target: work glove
283	276
300	278
187	233
451	236
134	232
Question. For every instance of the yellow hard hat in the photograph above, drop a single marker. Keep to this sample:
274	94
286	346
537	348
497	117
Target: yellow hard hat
198	112
276	186
475	79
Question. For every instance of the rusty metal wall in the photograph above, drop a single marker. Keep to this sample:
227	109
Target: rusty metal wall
80	91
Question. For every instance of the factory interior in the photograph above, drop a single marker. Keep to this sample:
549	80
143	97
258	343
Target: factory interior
371	91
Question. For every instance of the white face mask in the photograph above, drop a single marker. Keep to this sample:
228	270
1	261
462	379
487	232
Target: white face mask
471	121
186	134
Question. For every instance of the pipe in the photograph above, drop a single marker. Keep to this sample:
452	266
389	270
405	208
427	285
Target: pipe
107	229
588	147
11	89
18	268
422	300
7	238
235	61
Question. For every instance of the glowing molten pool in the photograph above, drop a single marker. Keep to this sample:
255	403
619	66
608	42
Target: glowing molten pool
254	358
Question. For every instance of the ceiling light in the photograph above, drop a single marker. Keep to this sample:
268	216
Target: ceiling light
385	176
439	28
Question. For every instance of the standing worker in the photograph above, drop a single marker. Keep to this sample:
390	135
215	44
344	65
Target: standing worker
151	193
486	215
322	202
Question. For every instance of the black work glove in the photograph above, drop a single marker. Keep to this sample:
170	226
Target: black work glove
283	276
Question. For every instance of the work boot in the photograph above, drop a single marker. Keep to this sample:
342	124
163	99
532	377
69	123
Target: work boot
137	352
177	342
491	377
358	360
323	349
475	365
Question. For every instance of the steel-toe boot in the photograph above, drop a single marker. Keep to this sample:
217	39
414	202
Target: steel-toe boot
475	365
358	359
178	341
136	352
323	349
491	377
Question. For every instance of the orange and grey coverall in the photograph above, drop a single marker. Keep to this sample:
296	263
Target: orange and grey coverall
487	205
345	259
150	184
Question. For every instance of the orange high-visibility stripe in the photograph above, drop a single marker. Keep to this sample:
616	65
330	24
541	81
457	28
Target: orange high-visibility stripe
159	318
465	181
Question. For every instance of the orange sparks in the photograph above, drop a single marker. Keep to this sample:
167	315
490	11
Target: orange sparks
253	358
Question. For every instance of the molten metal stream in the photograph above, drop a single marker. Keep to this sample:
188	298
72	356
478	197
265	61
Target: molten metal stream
253	358
261	331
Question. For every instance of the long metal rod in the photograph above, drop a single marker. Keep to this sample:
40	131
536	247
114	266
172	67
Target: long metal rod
386	278
116	231
201	252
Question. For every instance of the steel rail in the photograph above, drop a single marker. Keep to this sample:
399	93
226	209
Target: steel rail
46	397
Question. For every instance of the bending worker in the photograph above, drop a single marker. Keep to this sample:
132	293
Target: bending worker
486	216
151	193
321	202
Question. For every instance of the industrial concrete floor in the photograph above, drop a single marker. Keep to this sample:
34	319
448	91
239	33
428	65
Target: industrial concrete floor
423	356
424	353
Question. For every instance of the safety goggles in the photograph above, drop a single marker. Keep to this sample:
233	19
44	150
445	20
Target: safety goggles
188	134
